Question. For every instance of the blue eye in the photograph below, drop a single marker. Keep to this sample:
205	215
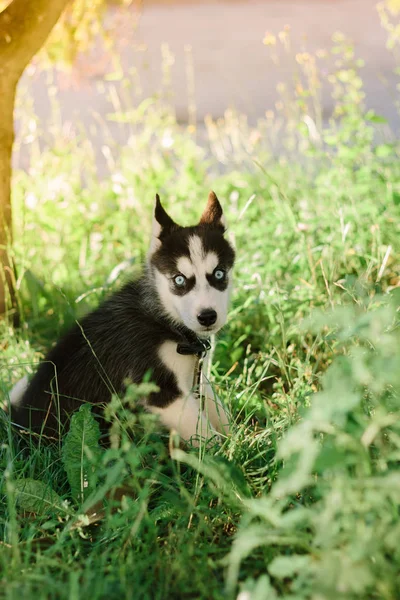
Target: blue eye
219	274
180	280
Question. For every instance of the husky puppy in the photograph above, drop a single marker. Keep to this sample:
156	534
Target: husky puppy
160	323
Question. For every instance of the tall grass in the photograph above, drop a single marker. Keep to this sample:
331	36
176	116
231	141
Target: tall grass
303	500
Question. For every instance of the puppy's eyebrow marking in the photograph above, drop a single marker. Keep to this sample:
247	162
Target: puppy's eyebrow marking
185	267
211	262
196	251
202	262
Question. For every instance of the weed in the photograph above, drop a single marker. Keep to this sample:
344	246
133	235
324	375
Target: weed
303	500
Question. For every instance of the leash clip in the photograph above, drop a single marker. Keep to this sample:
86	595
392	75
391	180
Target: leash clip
197	348
206	347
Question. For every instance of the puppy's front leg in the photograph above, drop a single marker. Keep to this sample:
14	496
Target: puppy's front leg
214	410
213	407
185	416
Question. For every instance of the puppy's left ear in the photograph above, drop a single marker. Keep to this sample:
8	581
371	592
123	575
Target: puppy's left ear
162	224
213	213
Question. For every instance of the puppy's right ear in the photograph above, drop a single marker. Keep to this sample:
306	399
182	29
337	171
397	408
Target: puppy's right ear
162	224
213	213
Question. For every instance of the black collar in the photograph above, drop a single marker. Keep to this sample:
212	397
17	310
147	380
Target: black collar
195	346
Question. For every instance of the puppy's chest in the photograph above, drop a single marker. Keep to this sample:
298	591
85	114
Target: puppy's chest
182	366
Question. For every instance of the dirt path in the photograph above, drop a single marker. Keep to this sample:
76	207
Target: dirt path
222	43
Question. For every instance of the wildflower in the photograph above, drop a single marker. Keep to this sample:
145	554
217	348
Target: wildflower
269	39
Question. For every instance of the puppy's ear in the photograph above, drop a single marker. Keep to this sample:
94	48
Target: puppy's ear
213	213
162	224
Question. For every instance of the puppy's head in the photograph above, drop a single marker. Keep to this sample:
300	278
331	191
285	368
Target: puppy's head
192	268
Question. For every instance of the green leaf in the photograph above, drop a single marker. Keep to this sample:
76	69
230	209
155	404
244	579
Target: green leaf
374	118
331	457
225	475
287	566
37	497
260	589
36	290
80	449
384	150
331	140
246	541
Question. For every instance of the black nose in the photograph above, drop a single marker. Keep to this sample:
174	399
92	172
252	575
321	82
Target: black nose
207	317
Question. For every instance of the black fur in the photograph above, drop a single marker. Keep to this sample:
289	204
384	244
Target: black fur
119	340
176	244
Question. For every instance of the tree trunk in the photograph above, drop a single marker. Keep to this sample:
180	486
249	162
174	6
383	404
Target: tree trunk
24	27
7	97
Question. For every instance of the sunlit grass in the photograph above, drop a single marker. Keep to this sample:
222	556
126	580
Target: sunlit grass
302	500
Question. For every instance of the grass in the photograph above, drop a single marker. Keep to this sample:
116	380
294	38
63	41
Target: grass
303	500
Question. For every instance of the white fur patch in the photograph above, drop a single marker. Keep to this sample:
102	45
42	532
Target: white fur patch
181	365
203	295
186	308
210	262
185	417
203	263
184	414
166	297
18	391
196	251
185	267
200	262
155	232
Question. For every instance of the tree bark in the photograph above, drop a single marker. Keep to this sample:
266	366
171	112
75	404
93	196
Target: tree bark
7	97
24	27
